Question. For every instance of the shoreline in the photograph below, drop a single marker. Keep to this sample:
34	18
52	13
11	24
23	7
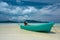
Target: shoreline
13	32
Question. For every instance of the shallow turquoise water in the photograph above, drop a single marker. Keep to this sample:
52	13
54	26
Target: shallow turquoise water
32	23
56	24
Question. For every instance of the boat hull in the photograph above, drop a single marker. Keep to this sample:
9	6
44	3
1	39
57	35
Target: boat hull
44	27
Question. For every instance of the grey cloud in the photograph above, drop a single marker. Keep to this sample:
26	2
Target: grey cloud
45	1
47	13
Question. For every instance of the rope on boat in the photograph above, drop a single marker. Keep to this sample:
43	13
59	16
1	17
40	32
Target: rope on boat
55	29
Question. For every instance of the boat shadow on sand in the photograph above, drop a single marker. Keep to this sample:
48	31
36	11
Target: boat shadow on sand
51	32
46	32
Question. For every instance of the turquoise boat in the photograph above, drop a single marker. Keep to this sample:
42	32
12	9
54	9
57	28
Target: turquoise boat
45	27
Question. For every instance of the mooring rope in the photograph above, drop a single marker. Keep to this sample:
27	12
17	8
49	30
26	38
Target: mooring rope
55	29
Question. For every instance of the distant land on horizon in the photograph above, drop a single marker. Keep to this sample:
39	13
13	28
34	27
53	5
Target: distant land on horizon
29	21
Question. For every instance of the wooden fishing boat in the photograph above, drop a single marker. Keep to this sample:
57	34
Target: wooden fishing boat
46	27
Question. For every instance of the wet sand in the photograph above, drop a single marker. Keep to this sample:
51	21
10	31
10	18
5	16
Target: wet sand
12	31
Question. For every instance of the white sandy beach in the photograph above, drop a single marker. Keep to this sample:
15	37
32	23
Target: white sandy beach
12	31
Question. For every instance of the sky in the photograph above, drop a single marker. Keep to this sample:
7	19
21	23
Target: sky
45	1
12	10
